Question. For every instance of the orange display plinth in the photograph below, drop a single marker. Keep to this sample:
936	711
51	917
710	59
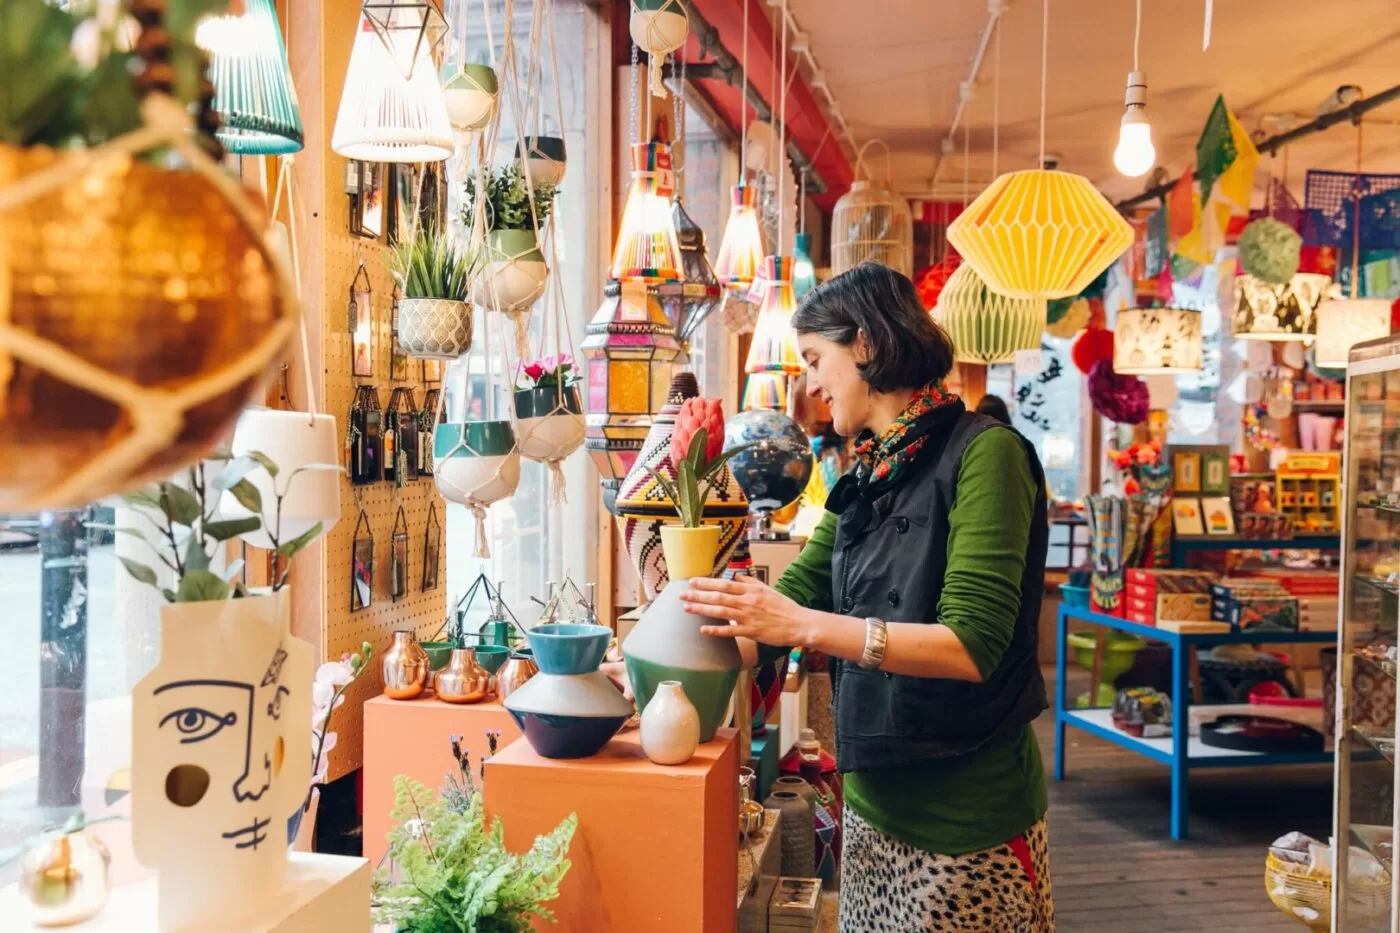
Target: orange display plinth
414	737
656	849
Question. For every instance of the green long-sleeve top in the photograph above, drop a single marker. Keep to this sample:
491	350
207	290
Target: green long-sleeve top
952	806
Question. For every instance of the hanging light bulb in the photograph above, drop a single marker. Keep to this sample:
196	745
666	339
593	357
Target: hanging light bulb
647	249
741	250
804	273
253	91
1135	155
774	347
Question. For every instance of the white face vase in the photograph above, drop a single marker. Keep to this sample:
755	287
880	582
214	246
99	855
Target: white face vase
221	758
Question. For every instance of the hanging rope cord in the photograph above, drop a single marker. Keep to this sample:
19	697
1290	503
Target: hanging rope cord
1356	216
1044	72
286	182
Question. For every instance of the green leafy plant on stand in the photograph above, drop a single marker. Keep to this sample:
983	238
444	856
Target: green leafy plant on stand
450	870
507	203
430	265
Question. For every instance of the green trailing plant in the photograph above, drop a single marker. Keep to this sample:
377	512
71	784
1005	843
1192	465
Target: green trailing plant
449	868
507	200
189	529
430	265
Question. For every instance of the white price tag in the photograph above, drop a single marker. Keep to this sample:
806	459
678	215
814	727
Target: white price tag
1028	362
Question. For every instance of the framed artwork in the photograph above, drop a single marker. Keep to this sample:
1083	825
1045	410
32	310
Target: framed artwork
398	359
1186	516
432	372
1186	472
1219	519
362	565
404	190
1215	472
362	323
432	549
398	557
1201	468
367	209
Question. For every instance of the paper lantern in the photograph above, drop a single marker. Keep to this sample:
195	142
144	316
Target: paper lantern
1092	346
774	346
765	390
986	327
934	279
1040	234
1149	341
1264	311
1341	324
804	273
647	250
690	301
392	108
741	250
630	348
253	90
1270	250
306	450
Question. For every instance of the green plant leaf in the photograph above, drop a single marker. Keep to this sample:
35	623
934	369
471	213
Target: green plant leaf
168	593
178	505
108	105
198	586
234	472
148	498
264	461
139	571
38	74
195	558
289	549
232	528
247	495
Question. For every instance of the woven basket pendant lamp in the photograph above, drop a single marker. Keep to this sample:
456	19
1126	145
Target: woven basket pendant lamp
392	108
741	250
871	223
647	248
253	90
774	347
987	327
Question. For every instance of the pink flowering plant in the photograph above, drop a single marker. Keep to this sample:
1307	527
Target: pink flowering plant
549	372
327	694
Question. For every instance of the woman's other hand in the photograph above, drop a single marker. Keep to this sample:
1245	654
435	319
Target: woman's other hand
753	609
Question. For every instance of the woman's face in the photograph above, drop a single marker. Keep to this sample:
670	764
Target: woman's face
832	376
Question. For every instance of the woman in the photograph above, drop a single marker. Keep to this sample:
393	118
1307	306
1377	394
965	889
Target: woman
922	584
994	407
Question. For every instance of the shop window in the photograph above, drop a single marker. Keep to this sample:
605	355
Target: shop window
1046	407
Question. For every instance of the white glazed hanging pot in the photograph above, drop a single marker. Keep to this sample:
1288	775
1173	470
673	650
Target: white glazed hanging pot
434	328
471	92
293	440
475	463
546	157
515	273
548	422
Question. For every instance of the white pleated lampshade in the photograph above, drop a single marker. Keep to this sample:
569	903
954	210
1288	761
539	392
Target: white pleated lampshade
1341	324
392	108
292	440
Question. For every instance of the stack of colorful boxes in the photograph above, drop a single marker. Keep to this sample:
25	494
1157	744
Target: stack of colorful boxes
1256	604
1155	596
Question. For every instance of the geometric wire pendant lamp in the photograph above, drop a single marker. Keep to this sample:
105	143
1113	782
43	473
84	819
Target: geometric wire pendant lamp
392	108
987	327
253	90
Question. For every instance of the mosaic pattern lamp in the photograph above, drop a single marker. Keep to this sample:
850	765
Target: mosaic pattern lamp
774	346
647	249
253	90
1040	234
1341	324
1279	313
1157	341
741	250
629	347
690	301
987	327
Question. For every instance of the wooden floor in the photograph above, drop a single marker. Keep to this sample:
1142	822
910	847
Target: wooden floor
1114	866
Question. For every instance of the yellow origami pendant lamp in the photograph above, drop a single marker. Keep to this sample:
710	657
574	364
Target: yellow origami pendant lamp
1040	233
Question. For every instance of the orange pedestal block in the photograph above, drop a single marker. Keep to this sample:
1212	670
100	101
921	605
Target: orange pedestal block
414	737
656	849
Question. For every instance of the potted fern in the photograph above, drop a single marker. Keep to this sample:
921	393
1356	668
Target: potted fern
500	202
434	277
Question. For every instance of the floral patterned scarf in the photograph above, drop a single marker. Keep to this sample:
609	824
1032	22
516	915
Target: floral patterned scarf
887	454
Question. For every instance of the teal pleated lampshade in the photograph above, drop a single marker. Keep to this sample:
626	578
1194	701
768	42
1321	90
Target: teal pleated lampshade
253	90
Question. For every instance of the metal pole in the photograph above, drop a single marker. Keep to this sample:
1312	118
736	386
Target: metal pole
63	545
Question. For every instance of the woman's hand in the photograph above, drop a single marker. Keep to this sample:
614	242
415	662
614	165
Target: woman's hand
756	610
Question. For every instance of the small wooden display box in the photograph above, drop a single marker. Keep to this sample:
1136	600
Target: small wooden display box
1309	491
414	737
656	849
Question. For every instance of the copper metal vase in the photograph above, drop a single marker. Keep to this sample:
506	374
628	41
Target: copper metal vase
405	667
519	668
463	680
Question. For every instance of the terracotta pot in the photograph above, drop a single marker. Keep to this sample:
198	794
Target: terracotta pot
670	725
405	667
463	680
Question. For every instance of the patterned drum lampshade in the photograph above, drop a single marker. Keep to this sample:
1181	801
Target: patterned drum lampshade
1157	341
630	348
1264	311
1343	324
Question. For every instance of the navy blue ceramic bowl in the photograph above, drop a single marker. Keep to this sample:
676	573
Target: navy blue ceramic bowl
555	736
569	647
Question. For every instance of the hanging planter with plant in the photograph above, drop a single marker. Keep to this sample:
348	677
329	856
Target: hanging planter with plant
434	276
548	416
476	463
515	273
471	91
546	156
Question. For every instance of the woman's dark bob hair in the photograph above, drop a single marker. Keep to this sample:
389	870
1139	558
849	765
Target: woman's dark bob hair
907	349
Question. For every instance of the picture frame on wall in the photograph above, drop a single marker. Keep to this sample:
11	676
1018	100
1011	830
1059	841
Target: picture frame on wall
404	189
1215	472
1218	517
432	549
367	207
362	565
362	324
1186	472
398	359
432	372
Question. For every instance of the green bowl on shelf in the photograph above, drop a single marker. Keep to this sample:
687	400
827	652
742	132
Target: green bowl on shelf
1120	651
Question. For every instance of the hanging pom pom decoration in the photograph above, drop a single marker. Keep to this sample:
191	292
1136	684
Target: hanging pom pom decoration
931	281
1122	399
658	27
1094	346
1270	250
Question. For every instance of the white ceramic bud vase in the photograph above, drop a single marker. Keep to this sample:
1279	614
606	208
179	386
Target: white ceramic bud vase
670	725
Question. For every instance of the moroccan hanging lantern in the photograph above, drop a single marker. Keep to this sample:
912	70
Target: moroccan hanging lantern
1040	234
741	250
987	327
392	108
253	90
647	248
1341	324
1279	313
630	348
1154	341
774	346
690	301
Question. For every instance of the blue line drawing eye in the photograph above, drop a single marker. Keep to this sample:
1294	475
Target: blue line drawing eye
197	724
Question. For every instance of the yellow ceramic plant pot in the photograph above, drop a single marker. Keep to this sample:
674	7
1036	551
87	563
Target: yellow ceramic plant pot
690	552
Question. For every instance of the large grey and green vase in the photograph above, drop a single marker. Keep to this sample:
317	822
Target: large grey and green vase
667	645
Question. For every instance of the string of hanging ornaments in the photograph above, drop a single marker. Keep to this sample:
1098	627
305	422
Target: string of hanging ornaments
1040	233
871	223
101	241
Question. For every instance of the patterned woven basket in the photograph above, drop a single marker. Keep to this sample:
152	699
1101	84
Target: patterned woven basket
435	328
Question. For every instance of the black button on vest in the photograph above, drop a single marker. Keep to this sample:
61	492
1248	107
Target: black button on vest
902	524
848	604
894	598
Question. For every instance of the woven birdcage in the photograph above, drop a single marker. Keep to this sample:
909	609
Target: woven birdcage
872	223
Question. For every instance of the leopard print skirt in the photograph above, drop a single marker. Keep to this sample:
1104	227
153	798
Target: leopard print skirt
888	886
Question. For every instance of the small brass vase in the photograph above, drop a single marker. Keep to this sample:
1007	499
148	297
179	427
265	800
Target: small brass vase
405	667
463	680
519	668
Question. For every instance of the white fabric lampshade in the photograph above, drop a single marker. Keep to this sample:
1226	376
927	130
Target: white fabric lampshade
1152	341
392	108
1341	324
291	440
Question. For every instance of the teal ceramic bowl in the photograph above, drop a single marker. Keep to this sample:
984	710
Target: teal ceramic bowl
439	652
492	657
569	647
473	438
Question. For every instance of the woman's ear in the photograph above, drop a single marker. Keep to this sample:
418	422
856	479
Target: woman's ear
860	349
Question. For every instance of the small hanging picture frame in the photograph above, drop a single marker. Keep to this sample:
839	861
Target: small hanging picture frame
361	323
401	438
364	438
432	372
362	565
398	557
367	209
398	359
432	549
427	421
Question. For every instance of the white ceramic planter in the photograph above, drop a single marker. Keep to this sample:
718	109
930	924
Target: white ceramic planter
435	328
515	272
670	725
292	439
548	424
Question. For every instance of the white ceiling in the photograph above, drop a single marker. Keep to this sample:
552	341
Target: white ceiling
894	67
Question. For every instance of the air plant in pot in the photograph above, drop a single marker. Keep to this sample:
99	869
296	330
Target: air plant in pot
435	277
